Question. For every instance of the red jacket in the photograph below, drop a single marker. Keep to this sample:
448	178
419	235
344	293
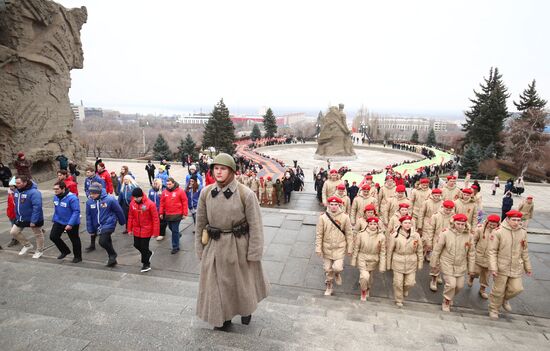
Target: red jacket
10	211
71	185
209	179
399	181
173	202
143	218
106	176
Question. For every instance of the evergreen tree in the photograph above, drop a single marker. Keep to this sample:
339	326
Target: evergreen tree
256	134
414	137
270	124
188	147
489	152
161	150
485	119
318	126
470	161
219	131
530	100
431	140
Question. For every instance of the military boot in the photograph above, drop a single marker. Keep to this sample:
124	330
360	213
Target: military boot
338	278
446	305
507	307
328	291
363	295
493	314
433	284
482	293
470	281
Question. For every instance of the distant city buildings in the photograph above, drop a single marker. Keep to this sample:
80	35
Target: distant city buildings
93	112
78	112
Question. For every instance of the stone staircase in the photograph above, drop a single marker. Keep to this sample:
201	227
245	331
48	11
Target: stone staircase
47	305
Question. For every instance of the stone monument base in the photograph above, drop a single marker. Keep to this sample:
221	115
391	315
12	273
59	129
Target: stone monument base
335	158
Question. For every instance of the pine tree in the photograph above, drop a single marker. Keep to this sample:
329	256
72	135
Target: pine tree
270	124
431	140
161	150
219	131
256	134
318	126
414	137
530	100
485	119
470	161
188	147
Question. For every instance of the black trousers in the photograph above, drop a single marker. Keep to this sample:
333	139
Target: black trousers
55	236
163	225
151	177
106	242
142	245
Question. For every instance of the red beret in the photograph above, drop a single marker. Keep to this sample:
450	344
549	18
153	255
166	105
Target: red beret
268	177
388	177
341	187
369	207
377	185
448	204
514	213
365	187
450	177
372	219
493	218
404	205
333	171
405	218
460	217
334	199
467	191
436	191
475	187
400	188
368	176
424	181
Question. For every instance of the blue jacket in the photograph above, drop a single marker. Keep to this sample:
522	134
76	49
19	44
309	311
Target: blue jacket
89	181
66	210
155	197
199	179
102	214
193	198
121	181
125	195
28	204
162	176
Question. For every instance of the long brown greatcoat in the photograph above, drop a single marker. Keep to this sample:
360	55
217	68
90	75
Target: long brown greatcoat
232	281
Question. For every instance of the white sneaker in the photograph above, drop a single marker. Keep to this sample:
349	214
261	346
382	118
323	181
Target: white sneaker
38	254
160	238
25	249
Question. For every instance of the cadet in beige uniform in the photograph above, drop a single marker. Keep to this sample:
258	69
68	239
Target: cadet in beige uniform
481	240
363	199
392	206
261	192
368	211
341	193
269	190
450	190
255	184
439	222
430	207
419	196
329	187
468	206
386	193
508	260
404	257
334	239
526	208
455	253
369	254
394	222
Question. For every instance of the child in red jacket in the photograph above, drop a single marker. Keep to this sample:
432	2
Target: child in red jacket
10	211
143	223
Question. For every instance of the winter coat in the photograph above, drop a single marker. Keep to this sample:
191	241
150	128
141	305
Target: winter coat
154	196
362	225
418	197
508	252
125	196
385	195
482	234
507	203
429	208
254	184
66	209
394	223
329	240
94	179
369	251
435	226
404	252
28	204
193	199
469	209
329	188
358	206
10	210
392	206
346	206
103	213
454	252
73	188
106	176
449	193
287	185
173	204
163	176
150	168
526	209
23	167
209	179
232	281
143	218
199	179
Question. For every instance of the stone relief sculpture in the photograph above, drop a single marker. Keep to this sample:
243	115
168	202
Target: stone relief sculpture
335	138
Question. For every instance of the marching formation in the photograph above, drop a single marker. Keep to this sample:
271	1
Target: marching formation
384	230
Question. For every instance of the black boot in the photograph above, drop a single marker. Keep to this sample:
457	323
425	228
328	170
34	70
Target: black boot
13	242
225	327
246	319
92	244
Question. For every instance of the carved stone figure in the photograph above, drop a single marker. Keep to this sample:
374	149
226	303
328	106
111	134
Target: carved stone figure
335	138
39	45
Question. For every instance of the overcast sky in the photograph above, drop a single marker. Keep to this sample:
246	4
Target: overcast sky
390	56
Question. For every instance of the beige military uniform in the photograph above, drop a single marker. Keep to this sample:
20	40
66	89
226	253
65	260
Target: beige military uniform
429	208
509	257
392	206
452	194
469	208
435	226
527	210
358	205
362	224
385	195
418	197
369	254
346	206
255	185
404	257
481	240
393	223
329	188
454	254
332	243
269	191
261	192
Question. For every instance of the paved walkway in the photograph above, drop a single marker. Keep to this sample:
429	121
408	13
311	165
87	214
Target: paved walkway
271	168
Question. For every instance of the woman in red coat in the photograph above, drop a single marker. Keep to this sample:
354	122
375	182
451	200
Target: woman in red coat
143	223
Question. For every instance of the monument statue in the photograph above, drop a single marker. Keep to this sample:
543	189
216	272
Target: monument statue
334	141
39	45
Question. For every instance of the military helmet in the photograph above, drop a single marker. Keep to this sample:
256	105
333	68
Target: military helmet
225	160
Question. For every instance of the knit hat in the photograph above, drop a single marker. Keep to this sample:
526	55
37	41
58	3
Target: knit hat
95	188
137	192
